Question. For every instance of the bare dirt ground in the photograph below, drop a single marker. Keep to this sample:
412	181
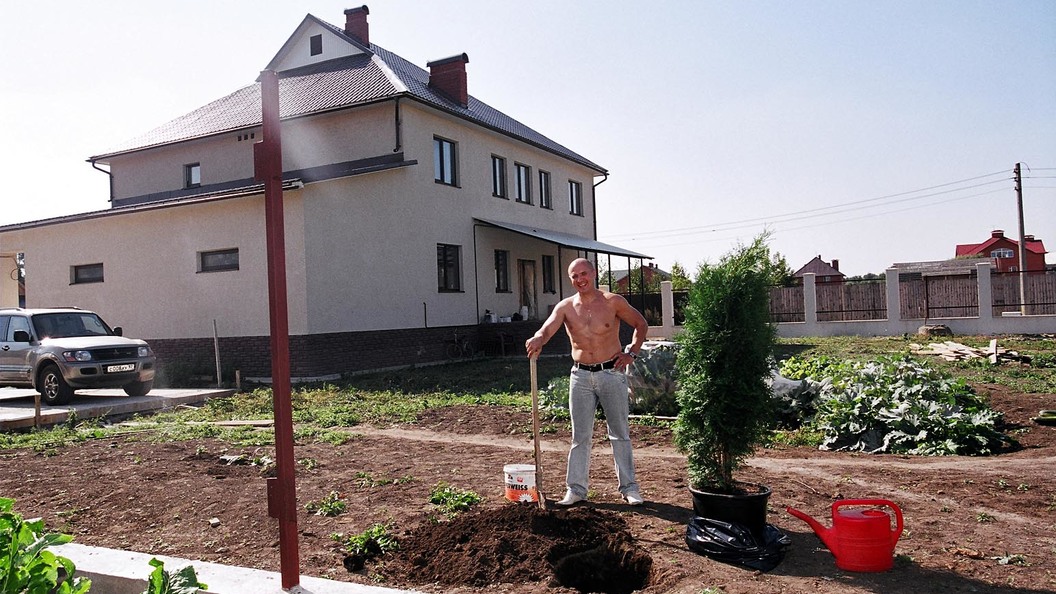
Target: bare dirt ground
971	524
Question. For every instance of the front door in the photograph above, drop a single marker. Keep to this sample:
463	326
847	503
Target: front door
528	297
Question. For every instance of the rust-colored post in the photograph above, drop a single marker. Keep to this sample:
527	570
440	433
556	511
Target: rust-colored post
267	161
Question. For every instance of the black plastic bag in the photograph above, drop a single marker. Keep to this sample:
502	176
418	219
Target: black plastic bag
736	545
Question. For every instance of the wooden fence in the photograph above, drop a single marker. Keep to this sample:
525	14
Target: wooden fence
919	299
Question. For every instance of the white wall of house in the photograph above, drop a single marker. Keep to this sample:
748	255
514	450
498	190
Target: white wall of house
361	250
8	279
151	285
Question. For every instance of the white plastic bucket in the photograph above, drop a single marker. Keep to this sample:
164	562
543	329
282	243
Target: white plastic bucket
520	482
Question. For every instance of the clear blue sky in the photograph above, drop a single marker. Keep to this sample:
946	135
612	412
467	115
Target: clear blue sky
870	132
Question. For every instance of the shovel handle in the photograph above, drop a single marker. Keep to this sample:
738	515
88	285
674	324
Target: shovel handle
535	432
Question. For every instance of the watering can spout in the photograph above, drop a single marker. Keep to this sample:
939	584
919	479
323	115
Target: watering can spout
825	534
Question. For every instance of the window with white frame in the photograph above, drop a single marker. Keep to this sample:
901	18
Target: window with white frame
448	268
498	176
218	260
575	198
545	200
523	181
1003	253
444	167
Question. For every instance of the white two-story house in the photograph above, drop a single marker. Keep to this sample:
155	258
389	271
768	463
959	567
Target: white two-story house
411	210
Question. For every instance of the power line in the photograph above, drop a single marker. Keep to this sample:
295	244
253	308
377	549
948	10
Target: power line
838	208
779	230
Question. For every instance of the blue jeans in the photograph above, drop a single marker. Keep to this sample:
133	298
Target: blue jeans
586	389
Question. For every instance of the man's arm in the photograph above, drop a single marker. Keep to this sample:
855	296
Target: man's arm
534	345
633	318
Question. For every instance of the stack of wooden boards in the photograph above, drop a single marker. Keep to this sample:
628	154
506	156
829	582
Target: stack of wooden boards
955	351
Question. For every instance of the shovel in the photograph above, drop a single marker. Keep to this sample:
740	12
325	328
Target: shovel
535	434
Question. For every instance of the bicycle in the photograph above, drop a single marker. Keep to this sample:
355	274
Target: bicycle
461	347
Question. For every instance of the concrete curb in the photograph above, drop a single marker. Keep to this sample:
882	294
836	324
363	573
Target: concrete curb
114	571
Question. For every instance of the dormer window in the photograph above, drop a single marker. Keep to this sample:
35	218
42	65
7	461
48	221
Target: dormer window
192	175
315	43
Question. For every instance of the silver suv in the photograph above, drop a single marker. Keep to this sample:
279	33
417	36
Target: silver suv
59	350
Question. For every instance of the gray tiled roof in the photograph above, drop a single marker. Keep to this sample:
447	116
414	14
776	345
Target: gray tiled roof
331	85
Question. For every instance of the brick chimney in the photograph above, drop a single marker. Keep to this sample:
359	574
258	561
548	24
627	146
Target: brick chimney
997	233
356	24
835	264
448	76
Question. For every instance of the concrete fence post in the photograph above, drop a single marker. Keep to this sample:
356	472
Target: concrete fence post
894	295
984	285
667	307
810	300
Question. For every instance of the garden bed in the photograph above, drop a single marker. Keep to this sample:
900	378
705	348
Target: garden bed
972	524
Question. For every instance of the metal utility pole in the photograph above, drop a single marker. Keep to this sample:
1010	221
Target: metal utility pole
1022	242
282	490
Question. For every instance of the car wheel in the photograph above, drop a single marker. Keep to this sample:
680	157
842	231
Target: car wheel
53	388
139	388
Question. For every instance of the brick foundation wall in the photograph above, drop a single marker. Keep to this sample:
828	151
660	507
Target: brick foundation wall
318	355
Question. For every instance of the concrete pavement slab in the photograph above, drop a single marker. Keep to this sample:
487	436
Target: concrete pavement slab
17	408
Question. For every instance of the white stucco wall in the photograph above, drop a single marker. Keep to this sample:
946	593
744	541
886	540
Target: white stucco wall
370	240
150	260
361	251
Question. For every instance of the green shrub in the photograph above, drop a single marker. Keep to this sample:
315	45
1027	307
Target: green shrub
726	346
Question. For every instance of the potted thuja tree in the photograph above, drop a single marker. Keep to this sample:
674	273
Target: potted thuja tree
723	363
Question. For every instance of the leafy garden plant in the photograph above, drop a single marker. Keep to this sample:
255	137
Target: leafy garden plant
181	581
724	363
893	405
329	506
451	500
26	564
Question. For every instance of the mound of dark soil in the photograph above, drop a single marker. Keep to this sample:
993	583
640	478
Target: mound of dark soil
583	548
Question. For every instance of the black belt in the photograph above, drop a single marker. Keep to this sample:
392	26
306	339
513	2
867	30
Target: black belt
611	363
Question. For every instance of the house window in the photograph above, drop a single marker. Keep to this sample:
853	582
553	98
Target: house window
1003	253
548	275
544	190
86	273
444	170
502	271
218	260
575	198
316	44
192	175
523	174
498	176
448	267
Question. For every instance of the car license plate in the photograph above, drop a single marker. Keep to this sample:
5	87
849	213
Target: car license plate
120	368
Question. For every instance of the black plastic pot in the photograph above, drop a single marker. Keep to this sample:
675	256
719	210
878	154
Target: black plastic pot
747	509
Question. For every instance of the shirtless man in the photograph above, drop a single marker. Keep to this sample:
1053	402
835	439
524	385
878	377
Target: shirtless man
592	318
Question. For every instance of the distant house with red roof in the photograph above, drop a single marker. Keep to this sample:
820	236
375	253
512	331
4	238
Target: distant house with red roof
1004	252
823	271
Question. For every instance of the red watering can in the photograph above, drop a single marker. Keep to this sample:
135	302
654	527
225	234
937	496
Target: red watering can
860	539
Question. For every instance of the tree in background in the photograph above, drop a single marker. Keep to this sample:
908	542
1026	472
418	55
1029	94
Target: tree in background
779	273
680	280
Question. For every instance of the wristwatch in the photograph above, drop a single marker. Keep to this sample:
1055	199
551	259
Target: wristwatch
630	352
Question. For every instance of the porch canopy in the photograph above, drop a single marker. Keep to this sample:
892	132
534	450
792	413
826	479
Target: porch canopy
567	240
